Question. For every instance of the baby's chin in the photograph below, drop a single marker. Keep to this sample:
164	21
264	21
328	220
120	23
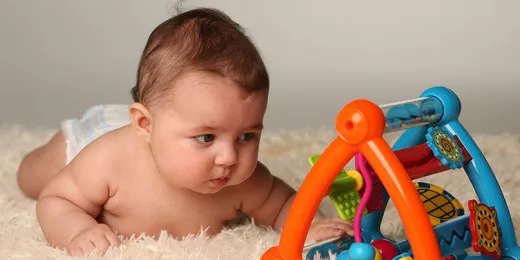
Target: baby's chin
208	190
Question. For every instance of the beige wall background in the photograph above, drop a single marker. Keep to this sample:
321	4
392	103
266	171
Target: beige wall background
58	57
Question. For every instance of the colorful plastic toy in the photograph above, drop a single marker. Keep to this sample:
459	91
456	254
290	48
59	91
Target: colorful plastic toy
434	221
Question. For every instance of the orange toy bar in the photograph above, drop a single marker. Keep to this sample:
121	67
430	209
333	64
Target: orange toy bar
360	126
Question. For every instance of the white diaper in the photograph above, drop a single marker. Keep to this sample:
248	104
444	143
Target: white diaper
97	121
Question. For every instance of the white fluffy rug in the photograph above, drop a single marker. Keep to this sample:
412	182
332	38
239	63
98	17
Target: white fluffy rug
285	153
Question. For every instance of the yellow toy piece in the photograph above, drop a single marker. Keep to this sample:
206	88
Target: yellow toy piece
440	204
377	255
358	178
344	191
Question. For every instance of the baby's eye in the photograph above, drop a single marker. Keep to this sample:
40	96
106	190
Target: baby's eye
246	136
207	138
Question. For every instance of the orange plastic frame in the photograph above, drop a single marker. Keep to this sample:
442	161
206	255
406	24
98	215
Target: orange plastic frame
360	126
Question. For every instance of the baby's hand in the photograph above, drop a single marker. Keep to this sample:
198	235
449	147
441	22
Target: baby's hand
99	236
325	228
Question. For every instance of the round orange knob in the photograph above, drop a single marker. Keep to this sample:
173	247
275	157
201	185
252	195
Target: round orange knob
360	121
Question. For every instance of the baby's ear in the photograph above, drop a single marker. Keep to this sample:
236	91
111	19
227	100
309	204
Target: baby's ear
141	120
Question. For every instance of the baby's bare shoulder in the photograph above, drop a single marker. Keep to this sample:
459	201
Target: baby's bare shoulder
94	175
104	149
106	154
86	180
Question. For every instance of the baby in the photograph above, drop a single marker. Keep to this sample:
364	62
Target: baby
182	157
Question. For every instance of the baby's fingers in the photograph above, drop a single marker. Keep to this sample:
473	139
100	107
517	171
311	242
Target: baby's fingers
82	248
102	244
326	233
347	226
75	251
335	223
112	239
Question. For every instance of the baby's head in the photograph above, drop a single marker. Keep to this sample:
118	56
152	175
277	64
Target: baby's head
204	40
200	99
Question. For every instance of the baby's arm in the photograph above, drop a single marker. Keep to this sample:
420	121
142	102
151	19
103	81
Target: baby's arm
268	199
69	204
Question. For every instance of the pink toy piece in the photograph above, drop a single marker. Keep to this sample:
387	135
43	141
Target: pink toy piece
376	197
364	199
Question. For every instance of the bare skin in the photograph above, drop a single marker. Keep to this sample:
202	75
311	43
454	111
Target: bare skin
191	164
41	165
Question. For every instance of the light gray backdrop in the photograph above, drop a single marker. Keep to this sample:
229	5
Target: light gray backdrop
58	57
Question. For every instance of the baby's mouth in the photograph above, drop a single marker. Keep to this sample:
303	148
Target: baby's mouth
219	181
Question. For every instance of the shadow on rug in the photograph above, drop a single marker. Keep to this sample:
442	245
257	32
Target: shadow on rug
284	152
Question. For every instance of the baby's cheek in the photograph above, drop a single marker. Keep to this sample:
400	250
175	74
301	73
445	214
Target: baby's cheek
196	164
172	159
247	165
250	157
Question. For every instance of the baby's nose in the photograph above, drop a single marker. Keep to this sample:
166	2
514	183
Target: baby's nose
227	157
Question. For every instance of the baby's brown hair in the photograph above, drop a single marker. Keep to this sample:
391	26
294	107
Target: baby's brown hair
201	39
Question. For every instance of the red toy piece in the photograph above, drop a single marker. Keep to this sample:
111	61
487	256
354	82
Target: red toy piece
387	249
419	161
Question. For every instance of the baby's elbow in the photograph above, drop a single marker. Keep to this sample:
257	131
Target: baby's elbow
45	207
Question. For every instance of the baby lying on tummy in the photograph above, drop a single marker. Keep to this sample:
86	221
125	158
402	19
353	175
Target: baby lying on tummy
182	157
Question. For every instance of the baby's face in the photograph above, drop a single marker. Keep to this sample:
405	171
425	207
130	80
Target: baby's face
206	136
